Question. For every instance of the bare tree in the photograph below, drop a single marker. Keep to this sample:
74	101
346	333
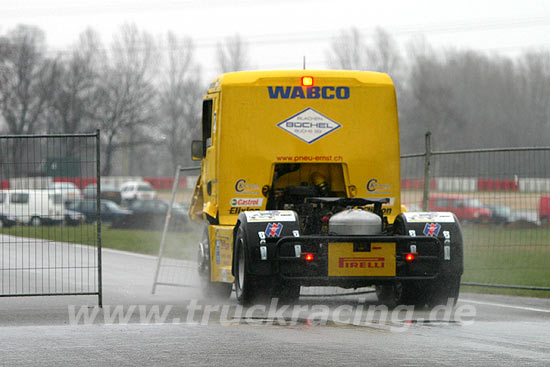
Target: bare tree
383	54
24	80
348	51
74	80
180	97
232	55
534	85
125	96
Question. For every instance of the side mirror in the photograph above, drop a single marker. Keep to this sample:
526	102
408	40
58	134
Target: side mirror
197	150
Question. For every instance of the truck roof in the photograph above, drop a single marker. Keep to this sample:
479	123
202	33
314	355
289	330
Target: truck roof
251	77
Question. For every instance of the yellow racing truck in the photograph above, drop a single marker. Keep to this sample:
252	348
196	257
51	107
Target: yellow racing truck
300	186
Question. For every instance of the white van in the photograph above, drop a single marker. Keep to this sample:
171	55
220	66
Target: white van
137	190
33	207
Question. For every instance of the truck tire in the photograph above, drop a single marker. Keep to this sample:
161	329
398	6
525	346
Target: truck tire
446	285
444	290
402	293
209	288
287	292
249	288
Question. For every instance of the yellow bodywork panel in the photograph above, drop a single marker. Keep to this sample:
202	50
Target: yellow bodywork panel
344	126
343	261
221	253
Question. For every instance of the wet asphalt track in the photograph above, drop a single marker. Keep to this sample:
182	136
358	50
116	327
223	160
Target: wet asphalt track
37	331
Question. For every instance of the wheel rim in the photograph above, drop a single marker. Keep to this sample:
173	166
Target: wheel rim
200	258
241	265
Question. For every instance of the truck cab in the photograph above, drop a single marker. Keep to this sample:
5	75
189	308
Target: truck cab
300	186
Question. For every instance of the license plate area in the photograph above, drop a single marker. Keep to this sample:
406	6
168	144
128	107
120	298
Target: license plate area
361	259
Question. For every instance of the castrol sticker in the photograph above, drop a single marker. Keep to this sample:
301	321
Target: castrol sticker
248	202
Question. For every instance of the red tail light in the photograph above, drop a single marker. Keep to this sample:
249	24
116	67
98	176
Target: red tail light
308	256
410	256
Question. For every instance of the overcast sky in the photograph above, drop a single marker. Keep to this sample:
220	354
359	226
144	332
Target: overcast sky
281	32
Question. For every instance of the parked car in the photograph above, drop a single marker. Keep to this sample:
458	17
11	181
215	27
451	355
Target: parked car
524	218
63	214
6	221
72	217
465	208
68	190
110	211
34	207
500	214
137	190
108	192
544	209
151	214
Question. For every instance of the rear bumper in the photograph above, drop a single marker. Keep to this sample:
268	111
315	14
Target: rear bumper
428	264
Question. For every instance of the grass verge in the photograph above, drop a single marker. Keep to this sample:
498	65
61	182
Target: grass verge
511	256
180	245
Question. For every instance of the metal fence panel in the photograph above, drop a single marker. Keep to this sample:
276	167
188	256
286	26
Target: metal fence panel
45	247
498	195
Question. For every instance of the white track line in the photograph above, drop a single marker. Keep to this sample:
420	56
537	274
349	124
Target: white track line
505	306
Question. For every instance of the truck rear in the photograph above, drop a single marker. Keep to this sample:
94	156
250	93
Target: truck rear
300	186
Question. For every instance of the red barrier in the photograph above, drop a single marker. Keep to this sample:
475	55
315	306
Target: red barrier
78	181
416	184
5	184
489	184
165	183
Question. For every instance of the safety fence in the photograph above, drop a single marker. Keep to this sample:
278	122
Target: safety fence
46	248
502	199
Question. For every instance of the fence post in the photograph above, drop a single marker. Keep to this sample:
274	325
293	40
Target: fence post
98	213
427	170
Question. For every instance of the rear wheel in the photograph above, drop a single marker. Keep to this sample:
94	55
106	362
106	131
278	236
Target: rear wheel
401	293
444	290
287	292
209	288
249	288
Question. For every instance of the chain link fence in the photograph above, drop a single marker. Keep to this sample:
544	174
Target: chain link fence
47	249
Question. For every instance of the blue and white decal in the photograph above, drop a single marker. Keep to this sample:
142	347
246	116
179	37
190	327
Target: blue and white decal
309	125
273	230
431	229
